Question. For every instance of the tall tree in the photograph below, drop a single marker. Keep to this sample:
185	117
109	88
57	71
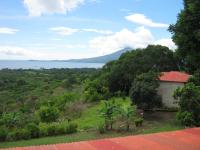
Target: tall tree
144	91
122	72
186	35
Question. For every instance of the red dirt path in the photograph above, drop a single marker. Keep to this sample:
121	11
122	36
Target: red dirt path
188	139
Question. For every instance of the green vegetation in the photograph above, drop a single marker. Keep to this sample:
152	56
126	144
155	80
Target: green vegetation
37	103
93	116
108	112
153	122
98	103
128	115
186	35
48	113
189	101
144	91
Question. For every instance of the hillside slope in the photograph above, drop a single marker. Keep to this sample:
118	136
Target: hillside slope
102	59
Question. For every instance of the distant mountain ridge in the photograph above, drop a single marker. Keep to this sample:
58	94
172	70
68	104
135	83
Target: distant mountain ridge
102	59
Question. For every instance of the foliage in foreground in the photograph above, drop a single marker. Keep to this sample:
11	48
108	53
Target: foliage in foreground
109	112
35	131
148	127
114	113
186	35
189	101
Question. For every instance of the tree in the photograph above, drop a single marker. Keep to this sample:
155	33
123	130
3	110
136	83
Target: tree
128	115
195	78
188	99
121	73
48	113
144	91
186	35
109	111
95	90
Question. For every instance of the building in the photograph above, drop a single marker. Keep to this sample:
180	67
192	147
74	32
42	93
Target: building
169	82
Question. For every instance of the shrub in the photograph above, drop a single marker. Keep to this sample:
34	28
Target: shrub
138	122
3	133
60	128
51	129
11	120
101	128
11	136
23	134
188	98
18	134
57	128
34	130
71	128
48	114
43	129
185	118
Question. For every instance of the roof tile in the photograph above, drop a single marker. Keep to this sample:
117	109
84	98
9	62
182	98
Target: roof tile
174	76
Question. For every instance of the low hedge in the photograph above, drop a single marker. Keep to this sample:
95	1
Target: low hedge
138	122
3	133
19	134
33	130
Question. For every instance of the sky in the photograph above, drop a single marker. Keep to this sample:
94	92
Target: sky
66	29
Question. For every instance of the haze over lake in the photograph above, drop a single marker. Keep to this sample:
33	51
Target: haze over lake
27	64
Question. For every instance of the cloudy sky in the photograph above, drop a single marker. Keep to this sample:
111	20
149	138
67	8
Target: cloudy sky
65	29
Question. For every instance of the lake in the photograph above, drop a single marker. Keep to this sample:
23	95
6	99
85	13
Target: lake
28	64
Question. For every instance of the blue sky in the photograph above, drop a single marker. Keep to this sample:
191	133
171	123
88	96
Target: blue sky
65	29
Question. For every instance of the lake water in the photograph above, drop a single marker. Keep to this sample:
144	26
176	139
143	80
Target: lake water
26	64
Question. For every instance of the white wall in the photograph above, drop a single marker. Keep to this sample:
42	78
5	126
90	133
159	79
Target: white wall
166	90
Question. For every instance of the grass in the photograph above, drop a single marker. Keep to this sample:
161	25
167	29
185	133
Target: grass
91	118
81	136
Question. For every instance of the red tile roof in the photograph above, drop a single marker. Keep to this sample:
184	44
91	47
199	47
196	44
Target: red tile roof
174	76
188	139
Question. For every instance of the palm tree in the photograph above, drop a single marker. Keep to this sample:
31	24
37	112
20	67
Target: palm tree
109	112
128	114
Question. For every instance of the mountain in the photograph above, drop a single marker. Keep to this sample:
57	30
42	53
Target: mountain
102	59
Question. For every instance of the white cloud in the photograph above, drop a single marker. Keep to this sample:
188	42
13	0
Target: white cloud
39	7
6	30
70	31
139	38
98	31
141	19
64	30
166	42
18	51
